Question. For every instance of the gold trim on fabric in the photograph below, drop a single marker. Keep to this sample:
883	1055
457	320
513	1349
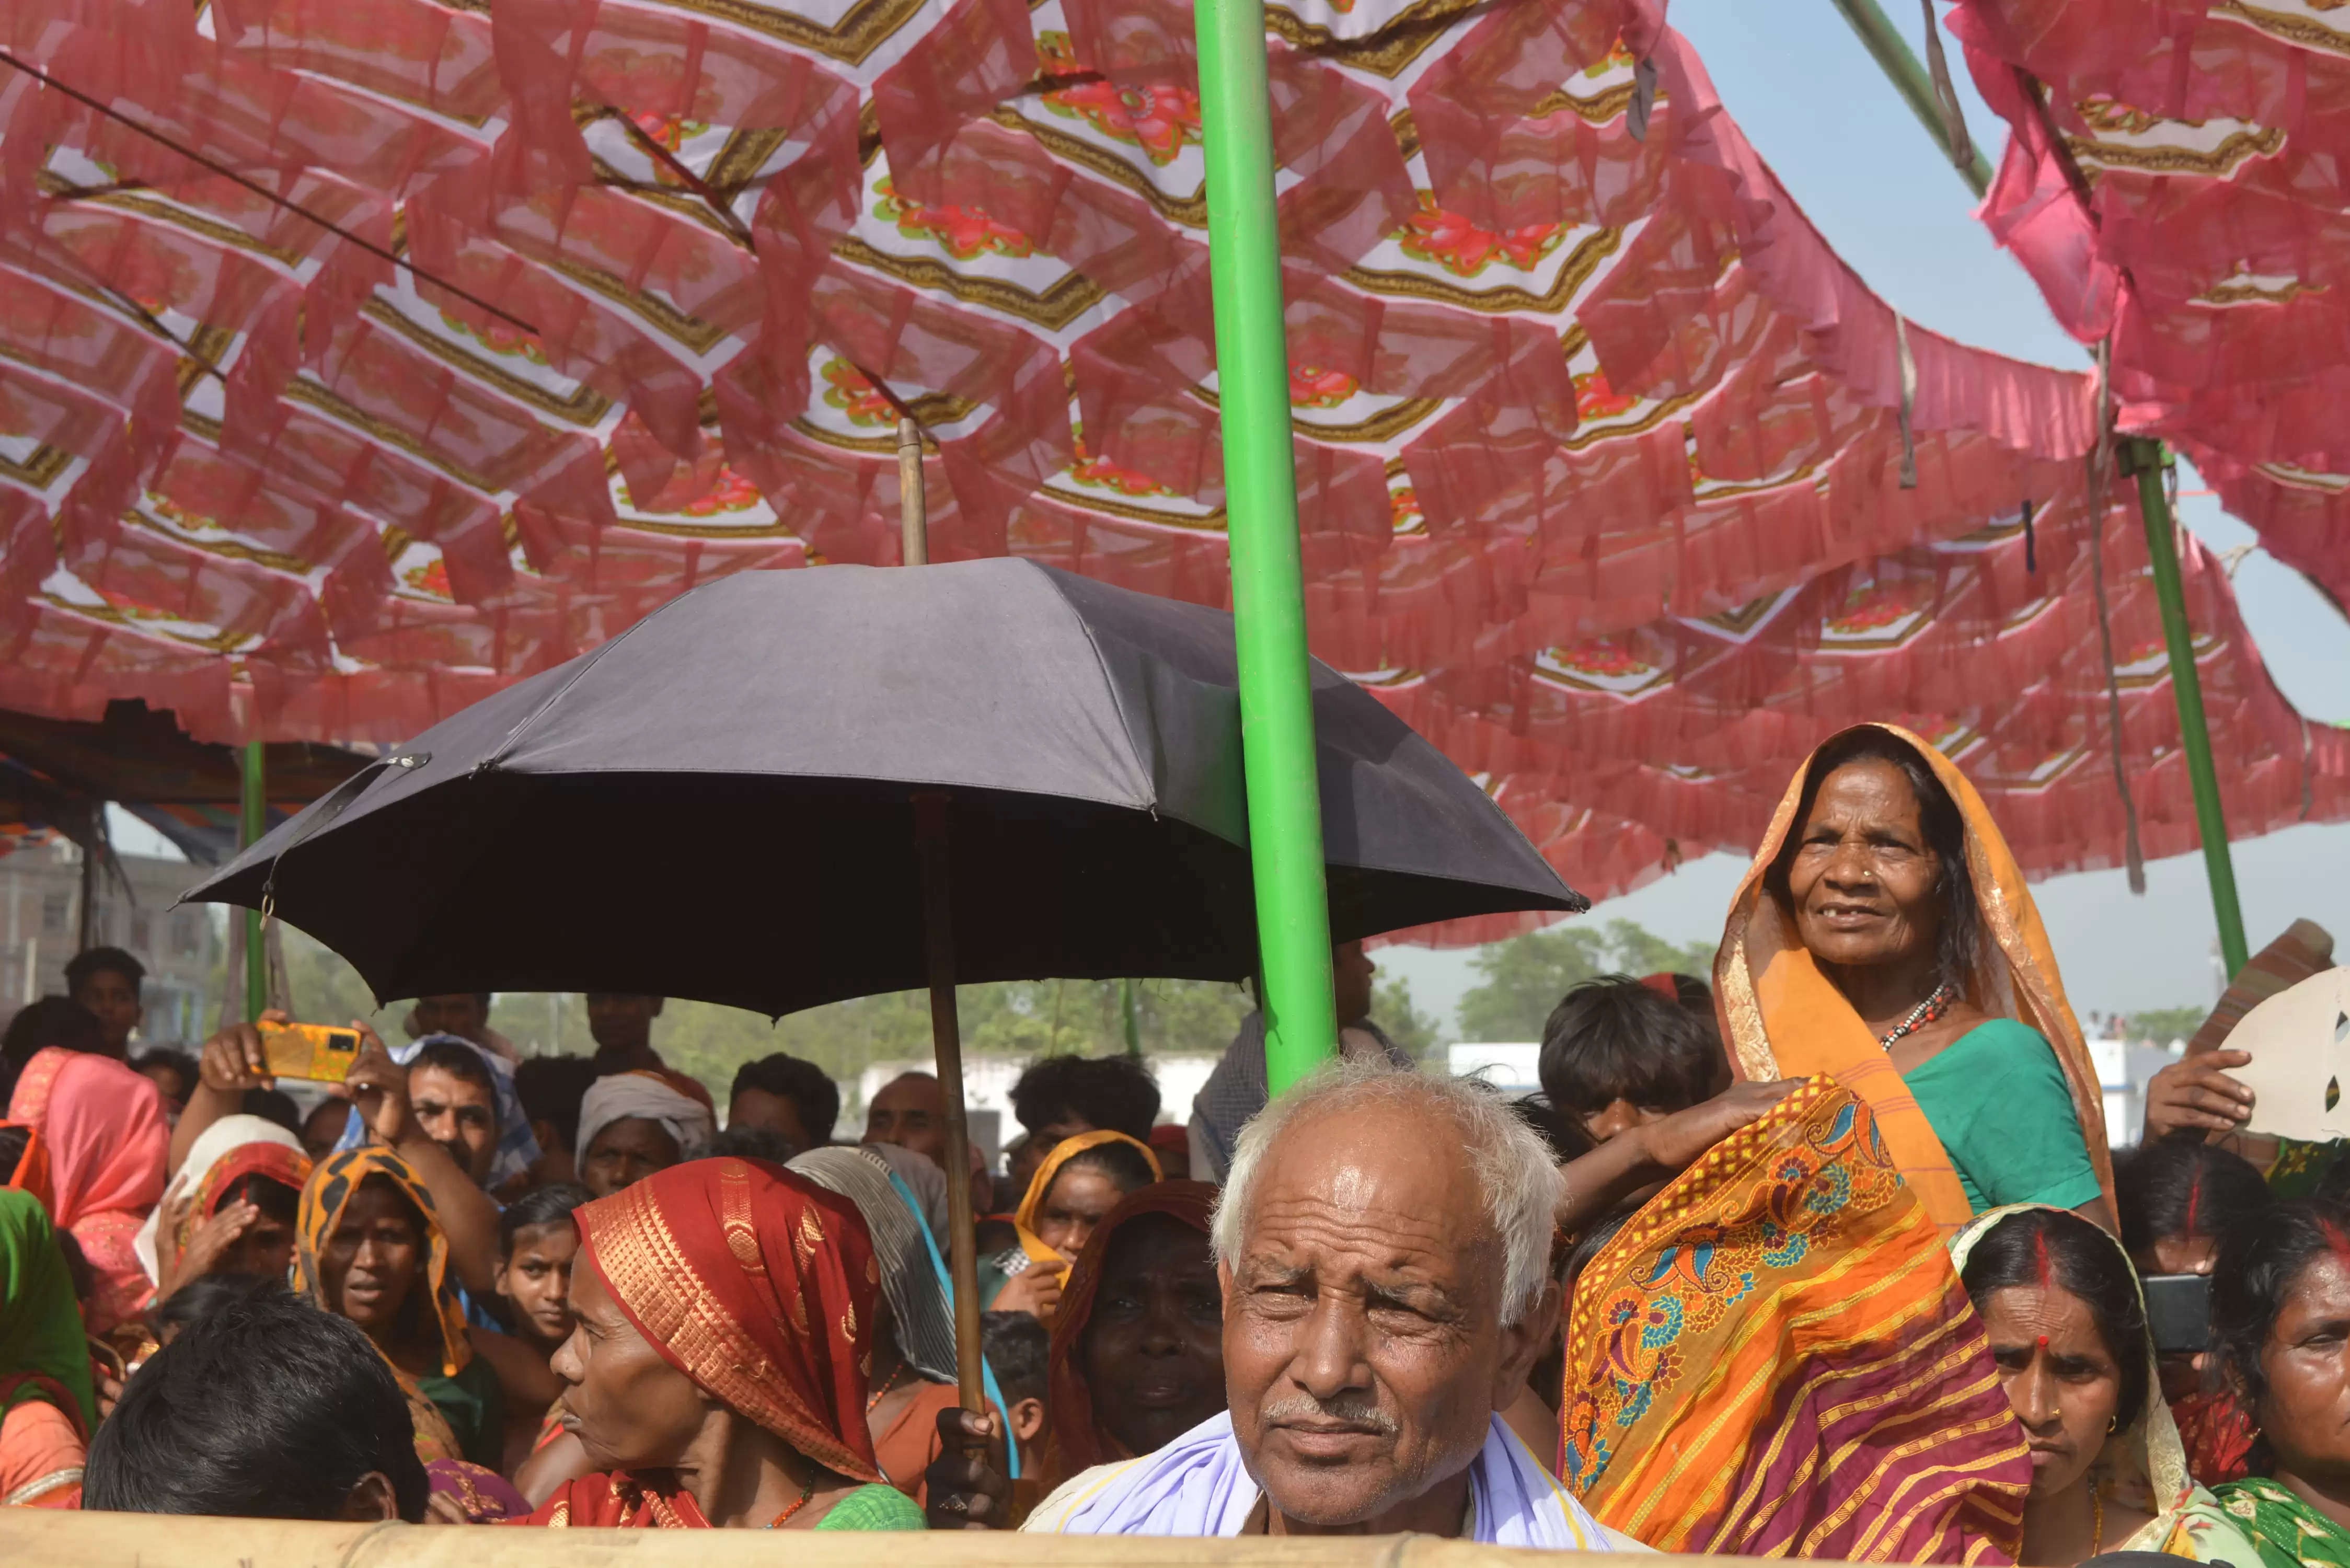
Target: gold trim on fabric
869	25
1190	212
1385	53
2218	163
585	408
2298	30
1575	271
1071	295
301	390
227	549
41	1486
40	468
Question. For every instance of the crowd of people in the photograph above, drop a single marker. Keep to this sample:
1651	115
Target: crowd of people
1820	1255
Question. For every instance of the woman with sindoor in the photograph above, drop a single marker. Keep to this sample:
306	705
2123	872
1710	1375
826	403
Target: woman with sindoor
1885	936
717	1374
2068	1331
2280	1325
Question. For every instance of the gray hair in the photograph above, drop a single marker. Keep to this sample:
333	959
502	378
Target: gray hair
1513	1167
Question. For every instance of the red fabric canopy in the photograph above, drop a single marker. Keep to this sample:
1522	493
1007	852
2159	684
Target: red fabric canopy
1570	372
2178	177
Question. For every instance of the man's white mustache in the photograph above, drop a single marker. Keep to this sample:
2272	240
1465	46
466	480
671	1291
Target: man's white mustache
1352	1410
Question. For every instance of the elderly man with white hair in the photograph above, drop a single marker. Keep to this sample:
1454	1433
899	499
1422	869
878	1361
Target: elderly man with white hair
1384	1247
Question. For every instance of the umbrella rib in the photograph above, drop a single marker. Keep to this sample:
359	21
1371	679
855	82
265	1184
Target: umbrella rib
263	191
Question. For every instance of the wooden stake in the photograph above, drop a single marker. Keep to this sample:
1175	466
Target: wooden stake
946	1042
913	514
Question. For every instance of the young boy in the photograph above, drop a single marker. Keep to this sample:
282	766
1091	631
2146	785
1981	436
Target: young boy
1018	1350
537	1243
1618	1053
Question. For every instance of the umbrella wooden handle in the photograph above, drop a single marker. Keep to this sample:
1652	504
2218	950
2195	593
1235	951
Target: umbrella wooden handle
946	1042
914	507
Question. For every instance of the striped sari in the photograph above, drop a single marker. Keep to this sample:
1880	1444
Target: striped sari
1774	1357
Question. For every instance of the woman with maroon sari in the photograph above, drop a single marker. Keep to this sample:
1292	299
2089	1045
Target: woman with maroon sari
717	1374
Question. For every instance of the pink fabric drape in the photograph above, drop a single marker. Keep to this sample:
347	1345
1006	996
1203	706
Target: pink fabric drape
107	1141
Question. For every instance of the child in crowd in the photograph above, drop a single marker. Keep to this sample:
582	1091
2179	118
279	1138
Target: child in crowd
1019	1350
1618	1053
538	1244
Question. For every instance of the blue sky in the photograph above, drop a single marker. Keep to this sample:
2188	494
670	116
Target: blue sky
1843	142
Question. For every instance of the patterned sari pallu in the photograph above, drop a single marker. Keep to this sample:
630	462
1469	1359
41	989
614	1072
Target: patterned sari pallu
1773	1357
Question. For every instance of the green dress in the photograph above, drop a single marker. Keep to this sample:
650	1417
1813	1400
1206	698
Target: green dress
2286	1532
1998	1100
475	1408
878	1508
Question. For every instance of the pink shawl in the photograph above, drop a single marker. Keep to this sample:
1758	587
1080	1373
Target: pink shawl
104	1127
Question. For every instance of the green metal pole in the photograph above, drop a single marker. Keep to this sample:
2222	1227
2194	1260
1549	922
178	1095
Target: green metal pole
2147	460
1285	806
1131	1017
257	963
1883	40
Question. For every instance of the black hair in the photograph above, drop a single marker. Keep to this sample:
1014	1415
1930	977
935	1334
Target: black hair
1938	817
2054	1248
1563	1133
273	1106
261	1408
169	1056
1617	1038
1113	1093
14	1140
540	1206
748	1143
2261	1260
92	961
52	1021
1121	1162
550	1089
266	1193
1693	994
205	1294
2183	1188
1587	1245
459	1061
1016	1347
811	1092
77	1269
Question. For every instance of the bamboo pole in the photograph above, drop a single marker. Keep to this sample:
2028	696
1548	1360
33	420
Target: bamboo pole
2147	460
931	844
1284	802
913	506
1910	78
254	822
39	1535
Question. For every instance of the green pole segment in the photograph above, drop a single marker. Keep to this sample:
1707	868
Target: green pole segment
257	963
2147	460
1131	1016
1285	806
1893	55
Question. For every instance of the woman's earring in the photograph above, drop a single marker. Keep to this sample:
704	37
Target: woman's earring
2112	1423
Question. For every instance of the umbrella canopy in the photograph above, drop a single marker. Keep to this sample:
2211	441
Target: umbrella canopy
776	726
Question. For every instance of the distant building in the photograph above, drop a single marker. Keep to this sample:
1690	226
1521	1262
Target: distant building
1511	1066
40	922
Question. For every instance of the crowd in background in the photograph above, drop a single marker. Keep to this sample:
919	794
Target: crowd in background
1820	1254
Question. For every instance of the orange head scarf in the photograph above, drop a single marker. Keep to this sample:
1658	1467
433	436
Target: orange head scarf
1077	1441
756	1283
32	1172
1031	1204
1782	1018
330	1191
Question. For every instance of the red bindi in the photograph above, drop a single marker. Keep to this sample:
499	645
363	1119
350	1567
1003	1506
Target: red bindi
2044	1342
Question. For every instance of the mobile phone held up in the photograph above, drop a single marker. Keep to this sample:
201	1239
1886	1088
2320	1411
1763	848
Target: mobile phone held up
318	1052
2178	1312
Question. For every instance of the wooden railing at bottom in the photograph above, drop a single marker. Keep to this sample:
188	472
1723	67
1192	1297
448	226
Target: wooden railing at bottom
36	1537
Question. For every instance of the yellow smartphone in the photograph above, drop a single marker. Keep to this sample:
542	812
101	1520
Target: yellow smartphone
318	1052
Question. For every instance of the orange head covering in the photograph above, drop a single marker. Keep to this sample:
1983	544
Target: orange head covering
1077	1441
330	1191
289	1168
1032	1202
756	1283
1782	1018
32	1172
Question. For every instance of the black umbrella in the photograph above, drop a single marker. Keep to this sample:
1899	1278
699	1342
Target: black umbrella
737	799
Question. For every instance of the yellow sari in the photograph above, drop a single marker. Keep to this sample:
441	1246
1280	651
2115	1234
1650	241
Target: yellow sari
1782	1018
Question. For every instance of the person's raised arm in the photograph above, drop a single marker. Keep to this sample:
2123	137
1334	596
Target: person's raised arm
231	1064
1658	1151
379	1088
2197	1095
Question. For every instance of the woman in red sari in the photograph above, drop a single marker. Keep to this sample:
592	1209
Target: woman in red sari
717	1374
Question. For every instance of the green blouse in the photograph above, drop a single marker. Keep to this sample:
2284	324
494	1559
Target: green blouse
1998	1100
876	1507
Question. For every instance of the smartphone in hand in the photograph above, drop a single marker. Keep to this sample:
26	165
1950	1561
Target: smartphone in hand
317	1052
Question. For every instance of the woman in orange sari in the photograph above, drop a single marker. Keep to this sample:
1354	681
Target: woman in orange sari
1885	937
103	1124
1080	1182
717	1373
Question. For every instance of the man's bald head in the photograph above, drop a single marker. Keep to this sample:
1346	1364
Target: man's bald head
910	1111
1384	1244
